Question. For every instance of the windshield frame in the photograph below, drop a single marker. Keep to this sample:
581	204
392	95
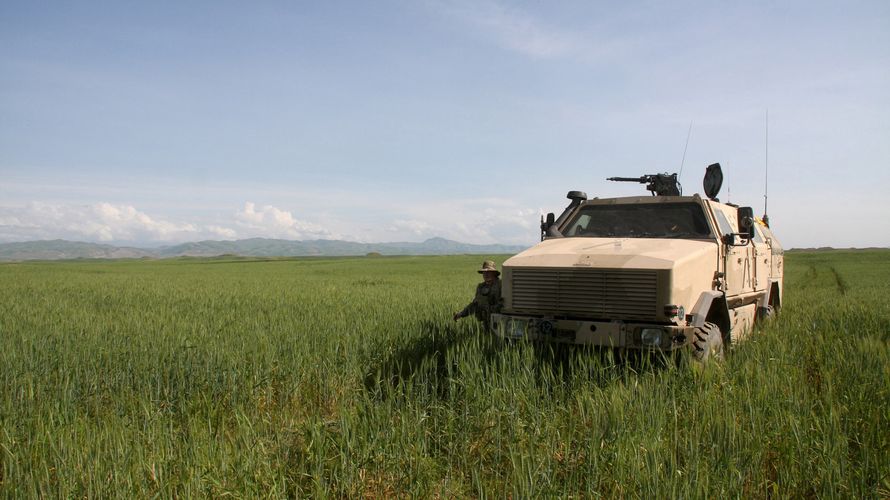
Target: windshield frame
697	226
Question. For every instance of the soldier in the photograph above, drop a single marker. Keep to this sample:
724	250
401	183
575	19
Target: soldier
488	298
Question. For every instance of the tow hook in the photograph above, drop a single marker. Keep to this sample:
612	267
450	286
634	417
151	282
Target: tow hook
546	327
679	338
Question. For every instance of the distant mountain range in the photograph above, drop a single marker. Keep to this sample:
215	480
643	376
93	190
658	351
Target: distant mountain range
253	247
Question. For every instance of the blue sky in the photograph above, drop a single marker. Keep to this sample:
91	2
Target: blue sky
154	123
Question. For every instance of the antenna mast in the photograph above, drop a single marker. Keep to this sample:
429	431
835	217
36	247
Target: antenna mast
766	173
683	161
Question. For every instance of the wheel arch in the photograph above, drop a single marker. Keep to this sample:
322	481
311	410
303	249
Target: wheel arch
711	307
775	295
772	297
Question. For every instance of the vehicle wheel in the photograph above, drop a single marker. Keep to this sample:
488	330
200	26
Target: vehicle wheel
707	343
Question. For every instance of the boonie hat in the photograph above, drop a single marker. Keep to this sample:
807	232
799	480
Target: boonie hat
489	265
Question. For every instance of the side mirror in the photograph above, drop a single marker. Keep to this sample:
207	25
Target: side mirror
546	225
746	222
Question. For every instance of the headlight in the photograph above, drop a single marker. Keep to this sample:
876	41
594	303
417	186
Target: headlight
651	336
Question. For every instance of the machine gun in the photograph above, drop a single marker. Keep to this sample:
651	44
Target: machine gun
658	184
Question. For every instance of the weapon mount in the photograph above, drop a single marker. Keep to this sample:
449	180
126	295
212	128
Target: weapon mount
658	184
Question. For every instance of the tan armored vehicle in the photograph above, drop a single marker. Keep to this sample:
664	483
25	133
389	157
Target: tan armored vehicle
656	272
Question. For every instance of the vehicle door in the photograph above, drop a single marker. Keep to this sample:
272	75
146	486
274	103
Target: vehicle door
777	252
763	257
738	259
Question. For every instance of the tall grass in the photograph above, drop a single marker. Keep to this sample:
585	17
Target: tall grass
347	377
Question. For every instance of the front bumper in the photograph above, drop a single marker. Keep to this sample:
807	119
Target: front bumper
633	335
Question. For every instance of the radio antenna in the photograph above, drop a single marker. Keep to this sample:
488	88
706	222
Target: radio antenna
766	172
729	189
683	161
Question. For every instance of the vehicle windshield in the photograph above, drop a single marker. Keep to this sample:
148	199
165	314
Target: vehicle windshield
640	220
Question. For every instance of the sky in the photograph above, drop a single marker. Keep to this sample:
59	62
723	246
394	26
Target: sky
153	123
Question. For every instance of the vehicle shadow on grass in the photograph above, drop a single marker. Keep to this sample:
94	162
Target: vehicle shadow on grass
427	356
431	361
567	367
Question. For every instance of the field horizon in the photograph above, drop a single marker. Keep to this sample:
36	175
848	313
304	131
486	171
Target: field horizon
59	249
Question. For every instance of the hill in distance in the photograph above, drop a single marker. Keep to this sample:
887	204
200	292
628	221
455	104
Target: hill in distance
63	249
253	247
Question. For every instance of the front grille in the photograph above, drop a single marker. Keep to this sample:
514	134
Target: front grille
594	293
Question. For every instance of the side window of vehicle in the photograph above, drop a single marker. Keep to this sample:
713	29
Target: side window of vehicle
579	227
758	238
774	244
725	226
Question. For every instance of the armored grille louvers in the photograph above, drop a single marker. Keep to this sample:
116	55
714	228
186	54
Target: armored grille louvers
590	293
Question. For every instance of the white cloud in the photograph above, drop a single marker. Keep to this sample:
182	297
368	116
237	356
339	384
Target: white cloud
513	29
103	222
477	220
223	232
106	222
518	31
416	227
272	222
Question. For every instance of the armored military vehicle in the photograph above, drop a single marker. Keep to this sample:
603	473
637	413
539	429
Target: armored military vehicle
660	272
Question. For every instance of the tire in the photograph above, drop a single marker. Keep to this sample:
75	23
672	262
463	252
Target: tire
707	343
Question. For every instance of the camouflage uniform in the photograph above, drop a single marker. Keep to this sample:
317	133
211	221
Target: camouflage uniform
488	300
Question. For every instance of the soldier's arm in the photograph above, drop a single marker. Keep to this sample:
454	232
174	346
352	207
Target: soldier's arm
469	309
466	311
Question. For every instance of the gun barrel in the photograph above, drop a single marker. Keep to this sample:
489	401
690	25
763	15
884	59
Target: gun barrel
641	180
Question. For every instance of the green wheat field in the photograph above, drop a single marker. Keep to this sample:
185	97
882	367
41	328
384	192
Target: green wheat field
348	378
